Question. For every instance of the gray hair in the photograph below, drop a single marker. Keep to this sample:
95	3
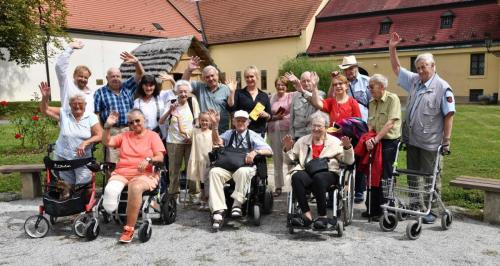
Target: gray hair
180	83
76	95
426	57
310	73
319	116
207	69
380	79
136	111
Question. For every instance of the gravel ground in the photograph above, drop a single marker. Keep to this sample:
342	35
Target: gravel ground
189	241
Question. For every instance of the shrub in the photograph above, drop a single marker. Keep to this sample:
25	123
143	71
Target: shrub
304	63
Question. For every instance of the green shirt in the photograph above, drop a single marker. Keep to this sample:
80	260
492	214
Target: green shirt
383	110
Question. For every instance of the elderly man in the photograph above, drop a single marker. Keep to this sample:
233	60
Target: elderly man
429	113
301	108
236	138
117	96
358	89
210	94
385	119
79	82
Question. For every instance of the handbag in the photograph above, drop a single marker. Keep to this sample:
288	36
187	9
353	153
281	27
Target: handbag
317	165
231	158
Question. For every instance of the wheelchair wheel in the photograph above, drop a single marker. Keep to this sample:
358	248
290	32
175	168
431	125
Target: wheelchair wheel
388	222
446	220
256	215
168	209
268	203
340	228
79	225
413	230
106	217
348	201
145	232
36	226
92	229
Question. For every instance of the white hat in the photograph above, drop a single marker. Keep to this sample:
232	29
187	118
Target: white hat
348	61
241	113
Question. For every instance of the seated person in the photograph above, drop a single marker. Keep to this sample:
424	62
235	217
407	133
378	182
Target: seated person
318	144
243	176
79	131
138	148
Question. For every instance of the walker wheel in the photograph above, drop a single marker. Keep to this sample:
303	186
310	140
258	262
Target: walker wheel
446	220
36	226
340	228
168	209
413	230
267	207
52	219
145	232
388	222
256	215
92	229
79	225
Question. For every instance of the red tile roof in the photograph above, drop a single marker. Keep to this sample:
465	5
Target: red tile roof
227	21
347	7
187	8
128	17
421	28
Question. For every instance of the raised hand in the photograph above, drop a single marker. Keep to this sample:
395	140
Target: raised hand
113	118
44	89
214	116
232	84
314	79
295	81
287	142
194	63
395	39
346	142
128	58
164	76
76	44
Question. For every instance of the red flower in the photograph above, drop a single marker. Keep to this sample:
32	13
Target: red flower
4	103
19	135
35	118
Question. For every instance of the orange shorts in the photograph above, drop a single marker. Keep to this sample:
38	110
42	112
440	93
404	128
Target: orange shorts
151	180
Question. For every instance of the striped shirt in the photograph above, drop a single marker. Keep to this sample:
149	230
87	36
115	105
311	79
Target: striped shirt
106	101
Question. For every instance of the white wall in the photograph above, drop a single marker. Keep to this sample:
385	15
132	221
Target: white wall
99	54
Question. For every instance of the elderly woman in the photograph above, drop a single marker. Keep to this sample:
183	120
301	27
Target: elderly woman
139	148
278	127
181	114
316	145
79	130
384	117
247	98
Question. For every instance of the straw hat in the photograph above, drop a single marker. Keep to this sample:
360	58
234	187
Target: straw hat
348	61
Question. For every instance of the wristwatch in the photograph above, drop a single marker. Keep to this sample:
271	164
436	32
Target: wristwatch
149	159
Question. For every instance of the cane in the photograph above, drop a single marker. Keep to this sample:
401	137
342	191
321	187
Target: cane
369	194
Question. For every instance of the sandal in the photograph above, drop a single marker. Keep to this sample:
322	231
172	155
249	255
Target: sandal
236	212
277	192
218	220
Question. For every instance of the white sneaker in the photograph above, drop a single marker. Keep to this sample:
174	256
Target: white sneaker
194	199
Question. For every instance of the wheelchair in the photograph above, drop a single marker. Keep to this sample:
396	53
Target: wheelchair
259	196
167	208
342	200
55	205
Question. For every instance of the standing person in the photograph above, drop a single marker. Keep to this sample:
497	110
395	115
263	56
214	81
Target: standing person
117	96
385	119
429	113
278	127
149	102
181	116
301	109
247	98
211	94
199	163
79	82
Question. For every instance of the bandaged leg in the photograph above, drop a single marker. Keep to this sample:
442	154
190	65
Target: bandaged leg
112	195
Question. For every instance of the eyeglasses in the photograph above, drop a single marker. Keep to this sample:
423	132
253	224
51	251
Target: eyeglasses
337	84
136	121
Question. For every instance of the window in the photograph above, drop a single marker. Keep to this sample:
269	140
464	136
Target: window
412	64
474	94
476	64
447	20
263	80
385	26
238	79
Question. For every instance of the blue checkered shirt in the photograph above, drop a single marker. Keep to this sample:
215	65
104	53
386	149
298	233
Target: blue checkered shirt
106	101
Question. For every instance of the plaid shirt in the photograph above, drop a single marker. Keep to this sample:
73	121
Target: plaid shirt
106	101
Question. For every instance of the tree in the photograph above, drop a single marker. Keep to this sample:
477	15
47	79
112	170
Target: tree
26	26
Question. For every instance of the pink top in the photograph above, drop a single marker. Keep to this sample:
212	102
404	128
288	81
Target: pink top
133	149
285	102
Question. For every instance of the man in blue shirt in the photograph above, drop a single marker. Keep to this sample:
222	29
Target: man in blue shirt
429	114
117	96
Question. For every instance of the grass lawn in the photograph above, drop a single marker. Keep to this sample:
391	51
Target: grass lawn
475	148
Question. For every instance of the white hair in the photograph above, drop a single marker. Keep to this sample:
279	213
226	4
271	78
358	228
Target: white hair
380	79
319	116
310	74
76	95
207	69
136	111
426	57
182	83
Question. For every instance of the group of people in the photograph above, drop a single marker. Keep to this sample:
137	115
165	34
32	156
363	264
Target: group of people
140	123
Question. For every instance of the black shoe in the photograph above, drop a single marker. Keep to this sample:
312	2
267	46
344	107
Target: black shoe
321	223
429	218
301	221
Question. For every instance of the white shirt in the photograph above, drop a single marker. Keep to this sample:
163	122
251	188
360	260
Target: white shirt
151	110
73	133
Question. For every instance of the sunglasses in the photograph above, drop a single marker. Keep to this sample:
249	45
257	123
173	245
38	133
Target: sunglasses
136	121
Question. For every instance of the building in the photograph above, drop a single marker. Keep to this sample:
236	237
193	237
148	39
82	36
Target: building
463	35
